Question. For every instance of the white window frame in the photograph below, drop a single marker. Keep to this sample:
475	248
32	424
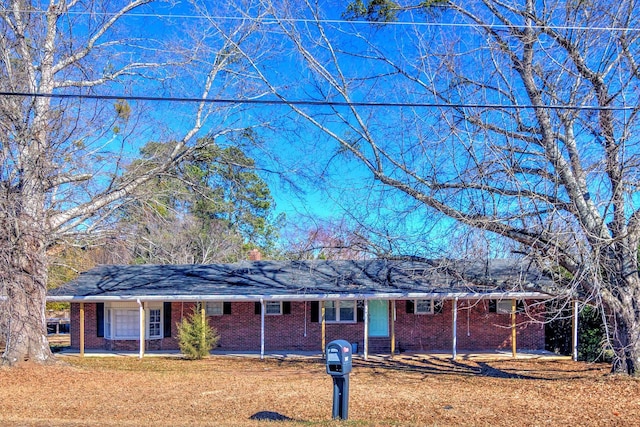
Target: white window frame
273	305
114	312
107	322
431	309
215	308
339	318
157	322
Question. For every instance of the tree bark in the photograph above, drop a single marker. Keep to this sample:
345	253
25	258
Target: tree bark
25	283
26	328
624	322
626	345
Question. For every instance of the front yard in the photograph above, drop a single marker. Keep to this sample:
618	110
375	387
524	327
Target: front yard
222	390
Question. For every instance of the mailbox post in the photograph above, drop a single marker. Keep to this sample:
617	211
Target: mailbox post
339	363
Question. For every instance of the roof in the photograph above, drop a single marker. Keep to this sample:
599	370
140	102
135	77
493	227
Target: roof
307	280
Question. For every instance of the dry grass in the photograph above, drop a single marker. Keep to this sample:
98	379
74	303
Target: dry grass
231	391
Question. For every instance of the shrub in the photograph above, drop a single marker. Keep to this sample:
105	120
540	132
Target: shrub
195	336
592	336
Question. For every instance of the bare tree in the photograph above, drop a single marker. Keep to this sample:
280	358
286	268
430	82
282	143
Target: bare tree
326	239
184	240
517	118
62	159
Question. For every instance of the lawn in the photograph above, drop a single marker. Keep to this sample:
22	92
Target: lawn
235	391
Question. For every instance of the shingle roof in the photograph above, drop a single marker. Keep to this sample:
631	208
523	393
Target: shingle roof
305	280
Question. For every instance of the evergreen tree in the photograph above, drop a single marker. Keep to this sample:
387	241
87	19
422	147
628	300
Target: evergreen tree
195	336
212	208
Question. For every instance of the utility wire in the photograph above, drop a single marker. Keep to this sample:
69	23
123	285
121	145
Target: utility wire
276	20
324	103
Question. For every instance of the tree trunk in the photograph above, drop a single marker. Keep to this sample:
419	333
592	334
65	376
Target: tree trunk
26	326
626	344
24	280
620	292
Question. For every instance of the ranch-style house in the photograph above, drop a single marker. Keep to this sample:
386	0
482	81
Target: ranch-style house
381	306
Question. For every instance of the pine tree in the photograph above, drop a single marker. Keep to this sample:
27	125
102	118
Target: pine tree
195	336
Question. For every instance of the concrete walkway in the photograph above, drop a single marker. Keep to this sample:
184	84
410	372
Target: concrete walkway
471	355
63	342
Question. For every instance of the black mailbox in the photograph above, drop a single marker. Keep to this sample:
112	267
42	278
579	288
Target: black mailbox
339	367
339	358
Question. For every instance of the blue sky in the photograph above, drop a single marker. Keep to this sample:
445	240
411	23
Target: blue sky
292	151
331	185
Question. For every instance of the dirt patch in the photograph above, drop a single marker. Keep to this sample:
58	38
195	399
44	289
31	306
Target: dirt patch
242	391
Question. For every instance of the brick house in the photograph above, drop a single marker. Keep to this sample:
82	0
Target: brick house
381	306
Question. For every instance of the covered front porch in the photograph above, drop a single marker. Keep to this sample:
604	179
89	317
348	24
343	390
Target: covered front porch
385	306
378	324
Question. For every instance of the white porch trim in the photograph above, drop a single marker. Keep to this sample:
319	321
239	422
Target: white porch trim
262	310
454	329
142	328
366	329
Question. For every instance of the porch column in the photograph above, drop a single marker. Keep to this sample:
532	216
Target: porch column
324	329
574	334
454	349
261	328
513	328
393	327
366	329
81	329
142	328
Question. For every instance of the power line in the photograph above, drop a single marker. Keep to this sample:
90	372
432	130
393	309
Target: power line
276	20
324	103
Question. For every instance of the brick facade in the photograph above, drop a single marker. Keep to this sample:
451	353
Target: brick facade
477	329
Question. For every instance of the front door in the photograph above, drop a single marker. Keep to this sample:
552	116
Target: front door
378	318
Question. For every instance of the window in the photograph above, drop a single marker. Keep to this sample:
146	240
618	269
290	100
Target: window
340	311
122	322
330	314
155	324
424	306
215	308
503	307
126	323
273	307
347	311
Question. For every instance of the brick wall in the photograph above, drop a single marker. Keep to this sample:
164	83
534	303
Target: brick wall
477	329
294	331
91	339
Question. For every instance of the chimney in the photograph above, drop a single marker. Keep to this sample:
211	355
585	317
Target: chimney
255	255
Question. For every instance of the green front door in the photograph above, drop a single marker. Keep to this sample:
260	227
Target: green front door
378	318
